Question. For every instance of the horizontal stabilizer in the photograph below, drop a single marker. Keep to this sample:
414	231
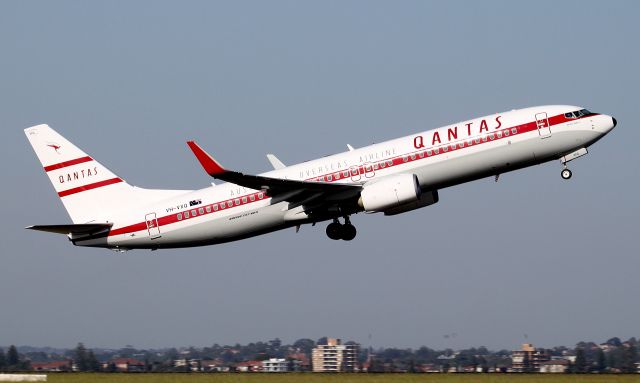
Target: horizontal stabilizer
77	229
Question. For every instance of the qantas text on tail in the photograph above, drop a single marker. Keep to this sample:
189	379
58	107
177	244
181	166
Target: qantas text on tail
391	177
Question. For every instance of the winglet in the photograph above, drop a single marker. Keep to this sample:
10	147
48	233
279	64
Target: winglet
210	165
275	162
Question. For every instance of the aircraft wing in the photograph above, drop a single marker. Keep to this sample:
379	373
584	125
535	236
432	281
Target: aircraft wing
280	188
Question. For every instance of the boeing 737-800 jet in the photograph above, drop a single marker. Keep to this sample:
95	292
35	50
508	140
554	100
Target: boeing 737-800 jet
391	177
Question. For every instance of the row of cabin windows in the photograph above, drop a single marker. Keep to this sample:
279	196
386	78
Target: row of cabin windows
429	152
216	207
461	144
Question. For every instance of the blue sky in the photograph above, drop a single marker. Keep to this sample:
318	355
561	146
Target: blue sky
130	82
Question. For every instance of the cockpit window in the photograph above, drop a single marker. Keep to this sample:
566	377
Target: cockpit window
578	113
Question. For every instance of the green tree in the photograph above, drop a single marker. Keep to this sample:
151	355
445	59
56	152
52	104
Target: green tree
13	359
484	365
81	357
580	365
629	356
601	361
305	345
92	362
376	365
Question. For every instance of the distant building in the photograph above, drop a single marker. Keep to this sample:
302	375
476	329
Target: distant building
194	364
275	365
127	365
249	366
215	365
554	366
335	357
53	366
528	359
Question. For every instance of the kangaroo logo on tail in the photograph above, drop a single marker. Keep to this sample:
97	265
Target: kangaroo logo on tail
55	147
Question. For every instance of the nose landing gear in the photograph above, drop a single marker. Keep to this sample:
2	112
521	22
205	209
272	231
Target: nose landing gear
336	230
566	174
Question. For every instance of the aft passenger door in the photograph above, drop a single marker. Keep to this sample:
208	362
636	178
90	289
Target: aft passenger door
152	225
542	122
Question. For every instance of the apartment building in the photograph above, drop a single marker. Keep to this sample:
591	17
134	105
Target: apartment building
335	356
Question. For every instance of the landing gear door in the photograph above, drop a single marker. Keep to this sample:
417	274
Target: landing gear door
542	122
152	225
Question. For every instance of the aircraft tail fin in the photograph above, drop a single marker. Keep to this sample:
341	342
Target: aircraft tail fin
89	191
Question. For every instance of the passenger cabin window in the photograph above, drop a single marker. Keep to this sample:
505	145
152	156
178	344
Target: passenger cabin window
215	207
252	197
244	199
201	210
208	209
186	214
179	217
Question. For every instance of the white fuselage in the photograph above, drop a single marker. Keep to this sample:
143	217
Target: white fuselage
440	158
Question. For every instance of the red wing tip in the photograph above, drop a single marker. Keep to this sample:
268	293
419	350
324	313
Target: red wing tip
210	165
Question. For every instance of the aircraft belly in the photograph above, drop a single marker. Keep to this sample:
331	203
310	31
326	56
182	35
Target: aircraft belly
498	158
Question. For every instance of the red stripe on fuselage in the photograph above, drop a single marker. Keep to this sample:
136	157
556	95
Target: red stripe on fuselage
361	171
67	163
94	185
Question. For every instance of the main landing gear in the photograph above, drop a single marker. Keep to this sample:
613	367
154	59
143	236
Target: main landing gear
336	230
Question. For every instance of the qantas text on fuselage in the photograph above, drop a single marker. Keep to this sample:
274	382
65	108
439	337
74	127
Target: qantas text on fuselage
391	177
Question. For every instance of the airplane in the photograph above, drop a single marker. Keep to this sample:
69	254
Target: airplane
390	177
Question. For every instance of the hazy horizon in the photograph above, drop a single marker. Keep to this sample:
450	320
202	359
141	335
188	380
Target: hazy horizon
531	258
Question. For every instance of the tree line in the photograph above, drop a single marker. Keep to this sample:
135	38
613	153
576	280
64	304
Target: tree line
612	356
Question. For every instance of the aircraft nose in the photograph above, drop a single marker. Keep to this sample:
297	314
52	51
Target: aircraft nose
615	122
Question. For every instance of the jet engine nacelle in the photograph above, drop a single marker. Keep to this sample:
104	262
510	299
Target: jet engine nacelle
390	192
426	199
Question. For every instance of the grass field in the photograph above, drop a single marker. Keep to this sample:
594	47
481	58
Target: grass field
342	378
